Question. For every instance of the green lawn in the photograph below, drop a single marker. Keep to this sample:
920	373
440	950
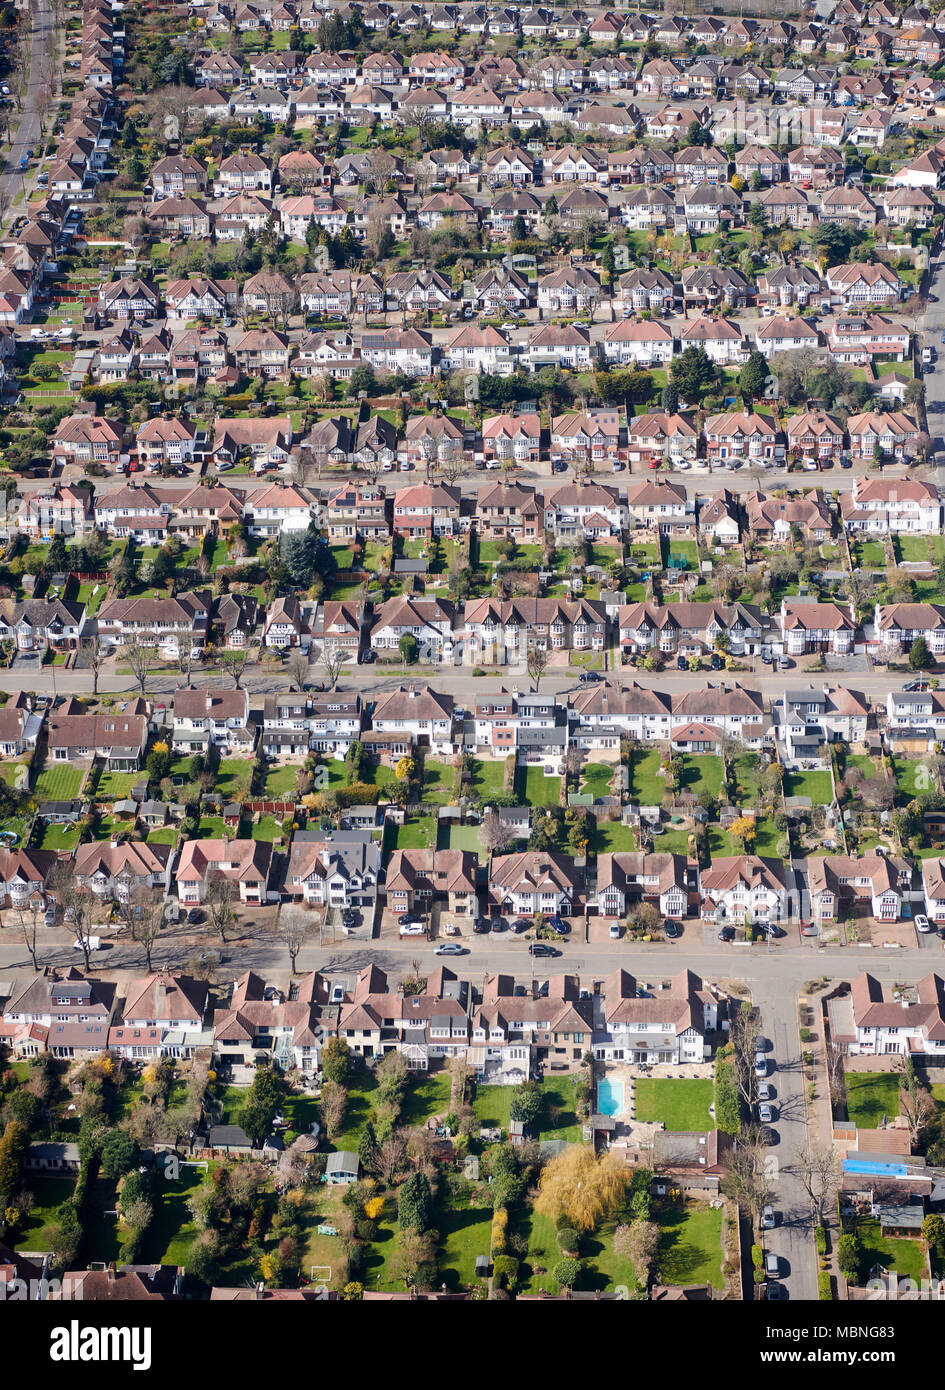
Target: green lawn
462	837
488	778
862	763
869	555
702	773
211	828
233	775
870	1096
116	786
48	1194
428	1096
908	778
681	1104
691	1245
491	1105
465	1233
172	1230
535	789
266	828
767	838
913	549
596	779
360	1104
613	837
58	837
560	1120
438	781
816	785
59	782
645	785
416	834
721	844
905	1257
748	778
281	782
164	835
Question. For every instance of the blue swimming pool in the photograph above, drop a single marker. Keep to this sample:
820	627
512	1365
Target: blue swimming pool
609	1097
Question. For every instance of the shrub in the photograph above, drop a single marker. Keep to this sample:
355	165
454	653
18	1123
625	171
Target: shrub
568	1240
824	1288
820	1235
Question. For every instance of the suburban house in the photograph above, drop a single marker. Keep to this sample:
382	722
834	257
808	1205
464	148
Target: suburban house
246	864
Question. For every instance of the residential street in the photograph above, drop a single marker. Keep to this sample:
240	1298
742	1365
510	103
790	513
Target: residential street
29	129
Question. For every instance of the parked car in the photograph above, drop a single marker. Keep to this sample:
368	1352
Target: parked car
727	934
498	924
765	1114
768	1220
521	924
480	925
49	917
409	919
765	1091
539	948
682	664
672	930
615	930
194	917
772	1264
809	929
922	923
414	929
590	676
449	948
917	687
761	1066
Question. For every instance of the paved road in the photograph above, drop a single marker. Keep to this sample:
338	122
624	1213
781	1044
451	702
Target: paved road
29	130
934	328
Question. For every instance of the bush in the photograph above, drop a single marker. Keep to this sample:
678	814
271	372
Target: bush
820	1235
824	1288
568	1241
366	1229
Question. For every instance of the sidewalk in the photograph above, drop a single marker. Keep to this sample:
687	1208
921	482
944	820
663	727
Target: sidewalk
820	1117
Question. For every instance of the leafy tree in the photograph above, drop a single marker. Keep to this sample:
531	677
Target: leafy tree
693	373
752	377
119	1154
526	1103
262	1104
409	648
850	1256
337	1062
919	655
582	1188
567	1272
669	399
368	1148
415	1204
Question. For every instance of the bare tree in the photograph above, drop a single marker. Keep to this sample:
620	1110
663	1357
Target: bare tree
141	659
836	1077
744	1177
143	915
220	903
293	928
299	667
333	658
496	834
28	917
536	664
745	1032
334	1102
94	653
391	1158
76	902
185	657
818	1174
916	1106
234	662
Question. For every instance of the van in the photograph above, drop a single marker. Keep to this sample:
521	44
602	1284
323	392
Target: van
772	1264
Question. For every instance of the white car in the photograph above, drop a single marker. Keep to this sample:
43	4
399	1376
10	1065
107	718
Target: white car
922	923
768	1220
761	1066
38	333
413	929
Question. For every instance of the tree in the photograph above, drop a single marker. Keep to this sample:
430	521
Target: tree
753	376
93	654
527	1103
693	373
920	658
119	1155
298	667
333	658
392	1157
669	398
234	663
415	1204
261	1105
567	1272
29	916
414	1260
850	1256
293	928
744	830
640	1244
933	1232
368	1149
495	833
337	1062
581	1187
219	901
334	1102
75	901
817	1170
916	1104
536	662
141	659
143	915
409	648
